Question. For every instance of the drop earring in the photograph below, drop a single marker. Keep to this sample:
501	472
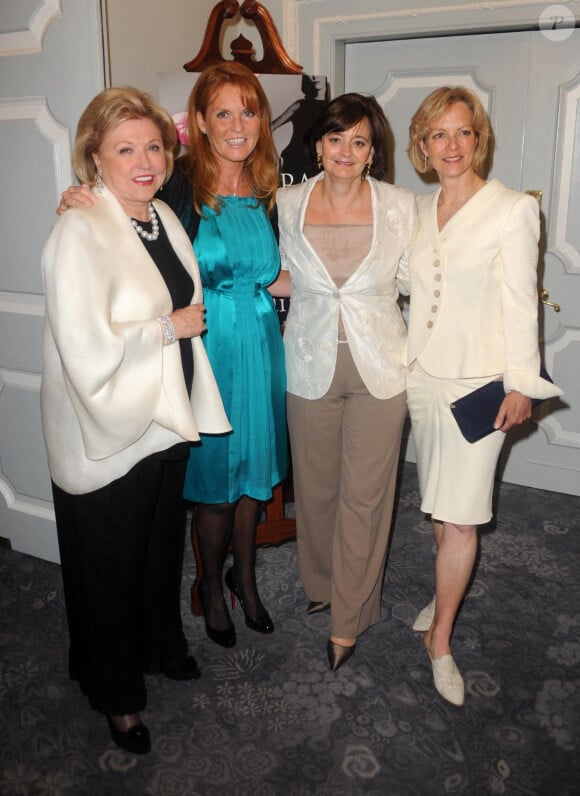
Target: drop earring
425	163
319	160
99	185
366	170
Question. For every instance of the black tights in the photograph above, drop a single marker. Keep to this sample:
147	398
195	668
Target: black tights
217	525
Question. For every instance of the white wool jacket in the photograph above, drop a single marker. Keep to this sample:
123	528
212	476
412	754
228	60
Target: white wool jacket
111	393
367	302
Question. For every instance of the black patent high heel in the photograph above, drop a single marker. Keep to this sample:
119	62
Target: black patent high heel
136	739
261	623
225	638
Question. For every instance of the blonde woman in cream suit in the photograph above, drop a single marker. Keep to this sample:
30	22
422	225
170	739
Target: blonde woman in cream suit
473	319
342	236
126	387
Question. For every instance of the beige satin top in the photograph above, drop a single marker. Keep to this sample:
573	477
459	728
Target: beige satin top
341	249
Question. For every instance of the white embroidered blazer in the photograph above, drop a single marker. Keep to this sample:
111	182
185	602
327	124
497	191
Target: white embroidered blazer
367	301
474	294
111	393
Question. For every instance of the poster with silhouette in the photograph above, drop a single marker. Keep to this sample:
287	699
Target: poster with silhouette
296	102
292	125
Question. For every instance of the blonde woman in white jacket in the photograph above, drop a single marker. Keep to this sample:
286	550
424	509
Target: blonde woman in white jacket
122	356
342	236
473	319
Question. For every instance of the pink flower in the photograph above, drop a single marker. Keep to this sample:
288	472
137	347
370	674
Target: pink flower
180	120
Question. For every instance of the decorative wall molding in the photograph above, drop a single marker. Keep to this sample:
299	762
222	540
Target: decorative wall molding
566	176
326	26
556	433
14	500
22	304
290	27
36	109
398	81
25	504
24	42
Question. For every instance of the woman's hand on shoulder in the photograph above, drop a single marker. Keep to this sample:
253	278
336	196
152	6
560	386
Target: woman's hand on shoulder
515	409
189	321
76	196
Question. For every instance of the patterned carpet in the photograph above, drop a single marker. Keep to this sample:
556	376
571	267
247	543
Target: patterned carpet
269	718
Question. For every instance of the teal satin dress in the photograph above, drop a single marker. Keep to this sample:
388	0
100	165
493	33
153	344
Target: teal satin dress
238	257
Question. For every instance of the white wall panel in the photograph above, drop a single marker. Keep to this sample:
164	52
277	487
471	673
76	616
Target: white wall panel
325	26
23	24
51	67
565	239
33	143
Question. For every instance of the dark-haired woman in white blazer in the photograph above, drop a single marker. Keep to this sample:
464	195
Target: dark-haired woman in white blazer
473	319
342	237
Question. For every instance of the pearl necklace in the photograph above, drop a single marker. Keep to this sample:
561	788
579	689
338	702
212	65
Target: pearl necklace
154	234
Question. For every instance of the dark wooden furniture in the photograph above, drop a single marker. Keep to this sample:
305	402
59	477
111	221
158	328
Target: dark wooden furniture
275	60
275	527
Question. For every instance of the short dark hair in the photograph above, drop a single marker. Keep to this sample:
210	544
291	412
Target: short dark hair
345	112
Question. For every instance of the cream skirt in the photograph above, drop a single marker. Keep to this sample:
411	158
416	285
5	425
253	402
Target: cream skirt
456	477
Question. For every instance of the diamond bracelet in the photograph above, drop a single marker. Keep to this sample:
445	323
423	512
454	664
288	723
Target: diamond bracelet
168	329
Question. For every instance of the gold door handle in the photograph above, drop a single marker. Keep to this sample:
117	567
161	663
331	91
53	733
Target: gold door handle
544	296
537	196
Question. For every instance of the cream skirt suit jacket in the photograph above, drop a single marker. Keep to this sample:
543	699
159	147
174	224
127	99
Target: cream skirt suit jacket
111	393
473	319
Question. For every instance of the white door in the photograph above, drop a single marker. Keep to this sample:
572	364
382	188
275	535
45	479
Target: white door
51	64
530	84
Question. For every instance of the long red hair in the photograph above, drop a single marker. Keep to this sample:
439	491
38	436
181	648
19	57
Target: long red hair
202	166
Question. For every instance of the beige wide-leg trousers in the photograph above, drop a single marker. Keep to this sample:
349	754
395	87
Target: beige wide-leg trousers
345	453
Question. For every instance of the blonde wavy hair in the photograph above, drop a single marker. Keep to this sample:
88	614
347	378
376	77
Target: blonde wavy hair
107	110
200	163
435	105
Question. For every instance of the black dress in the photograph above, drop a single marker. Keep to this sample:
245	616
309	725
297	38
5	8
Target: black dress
121	549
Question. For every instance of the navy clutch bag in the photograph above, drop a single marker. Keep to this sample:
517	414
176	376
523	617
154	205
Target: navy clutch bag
475	413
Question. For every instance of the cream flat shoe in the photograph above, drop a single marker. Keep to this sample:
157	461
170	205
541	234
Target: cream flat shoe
448	680
424	618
